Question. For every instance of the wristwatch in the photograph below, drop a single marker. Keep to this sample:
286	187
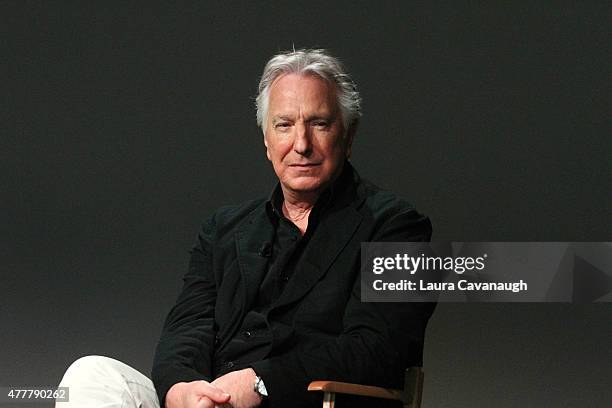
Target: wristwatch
259	387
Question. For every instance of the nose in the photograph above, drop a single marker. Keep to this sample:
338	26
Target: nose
302	143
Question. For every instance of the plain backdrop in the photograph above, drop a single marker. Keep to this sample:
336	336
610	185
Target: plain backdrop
125	125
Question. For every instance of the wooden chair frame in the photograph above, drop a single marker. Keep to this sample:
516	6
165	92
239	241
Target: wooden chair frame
410	396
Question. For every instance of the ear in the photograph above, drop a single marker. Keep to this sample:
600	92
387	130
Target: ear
348	140
267	148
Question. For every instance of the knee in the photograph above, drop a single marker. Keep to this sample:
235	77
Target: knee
88	365
88	362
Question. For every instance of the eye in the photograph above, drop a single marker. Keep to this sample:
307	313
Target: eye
321	124
282	125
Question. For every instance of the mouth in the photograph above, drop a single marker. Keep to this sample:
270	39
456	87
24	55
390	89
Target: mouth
304	165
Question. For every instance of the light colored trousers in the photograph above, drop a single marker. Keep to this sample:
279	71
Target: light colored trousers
102	382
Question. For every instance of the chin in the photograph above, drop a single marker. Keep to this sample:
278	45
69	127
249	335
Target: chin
305	186
309	188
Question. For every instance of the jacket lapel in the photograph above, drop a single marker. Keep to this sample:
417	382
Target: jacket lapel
332	235
250	238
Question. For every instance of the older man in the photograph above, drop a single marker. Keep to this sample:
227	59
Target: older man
272	297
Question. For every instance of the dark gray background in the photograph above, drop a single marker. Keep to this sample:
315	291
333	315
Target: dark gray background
124	126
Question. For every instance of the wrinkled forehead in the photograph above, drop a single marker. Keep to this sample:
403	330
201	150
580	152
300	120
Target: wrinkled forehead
293	91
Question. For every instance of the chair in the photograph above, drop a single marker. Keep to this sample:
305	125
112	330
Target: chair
410	395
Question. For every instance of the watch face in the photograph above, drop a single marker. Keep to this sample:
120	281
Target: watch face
260	387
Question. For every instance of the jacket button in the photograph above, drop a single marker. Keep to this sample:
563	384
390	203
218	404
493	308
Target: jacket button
217	340
247	334
230	364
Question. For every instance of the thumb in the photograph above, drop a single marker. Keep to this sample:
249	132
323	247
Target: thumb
205	403
220	397
217	395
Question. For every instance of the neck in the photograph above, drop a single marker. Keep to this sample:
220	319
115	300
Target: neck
300	199
297	209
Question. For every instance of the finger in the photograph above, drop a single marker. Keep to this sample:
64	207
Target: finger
205	403
216	394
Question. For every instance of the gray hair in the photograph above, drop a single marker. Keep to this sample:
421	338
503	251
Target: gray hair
310	62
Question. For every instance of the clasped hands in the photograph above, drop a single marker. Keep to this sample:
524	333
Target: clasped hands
234	389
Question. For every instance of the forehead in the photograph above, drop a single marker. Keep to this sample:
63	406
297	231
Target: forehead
295	91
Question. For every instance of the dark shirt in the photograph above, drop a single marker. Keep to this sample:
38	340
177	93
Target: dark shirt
283	255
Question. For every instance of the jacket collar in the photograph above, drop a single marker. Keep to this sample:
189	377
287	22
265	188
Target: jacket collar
336	226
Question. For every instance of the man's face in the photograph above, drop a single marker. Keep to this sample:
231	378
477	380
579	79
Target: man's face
304	133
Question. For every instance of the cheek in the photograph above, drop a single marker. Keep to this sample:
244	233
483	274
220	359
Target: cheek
279	150
273	155
334	149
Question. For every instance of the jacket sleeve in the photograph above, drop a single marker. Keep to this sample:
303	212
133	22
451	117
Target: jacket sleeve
378	341
186	345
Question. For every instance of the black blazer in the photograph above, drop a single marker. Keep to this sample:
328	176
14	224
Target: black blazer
318	328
